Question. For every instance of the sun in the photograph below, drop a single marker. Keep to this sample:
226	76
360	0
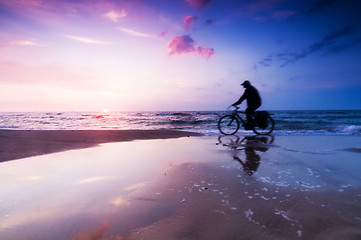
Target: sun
105	110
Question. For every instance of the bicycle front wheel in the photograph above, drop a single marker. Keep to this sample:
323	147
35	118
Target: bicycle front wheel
266	129
228	125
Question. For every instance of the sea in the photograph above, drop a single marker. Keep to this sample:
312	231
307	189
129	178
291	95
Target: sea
320	122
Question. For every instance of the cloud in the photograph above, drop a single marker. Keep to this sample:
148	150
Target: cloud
326	41
114	16
205	52
86	40
332	42
185	44
198	3
133	33
262	10
343	46
64	14
266	61
163	34
188	21
180	45
18	43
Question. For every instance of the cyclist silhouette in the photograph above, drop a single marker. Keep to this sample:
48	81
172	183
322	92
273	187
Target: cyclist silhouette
253	101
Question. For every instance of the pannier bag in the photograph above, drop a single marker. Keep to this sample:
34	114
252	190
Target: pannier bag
261	119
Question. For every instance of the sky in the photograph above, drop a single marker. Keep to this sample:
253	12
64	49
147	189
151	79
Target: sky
161	55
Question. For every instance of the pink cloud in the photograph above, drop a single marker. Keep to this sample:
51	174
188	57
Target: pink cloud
114	16
65	13
198	3
188	21
18	43
180	45
132	32
185	44
205	52
86	40
163	34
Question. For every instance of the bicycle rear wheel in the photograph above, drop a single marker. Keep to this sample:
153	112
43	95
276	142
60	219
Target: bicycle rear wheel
265	130
228	125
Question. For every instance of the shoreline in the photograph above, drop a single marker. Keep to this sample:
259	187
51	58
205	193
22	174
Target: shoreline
17	144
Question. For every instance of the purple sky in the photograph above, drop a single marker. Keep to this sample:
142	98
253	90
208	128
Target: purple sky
89	55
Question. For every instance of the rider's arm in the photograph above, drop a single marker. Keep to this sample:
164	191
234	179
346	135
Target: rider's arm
241	99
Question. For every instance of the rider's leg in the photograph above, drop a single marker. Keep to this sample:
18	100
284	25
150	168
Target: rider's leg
249	114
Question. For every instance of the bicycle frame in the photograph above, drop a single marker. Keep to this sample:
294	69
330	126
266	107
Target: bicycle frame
236	114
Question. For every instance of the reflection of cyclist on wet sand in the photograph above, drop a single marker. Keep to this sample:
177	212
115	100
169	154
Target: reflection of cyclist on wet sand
249	145
252	158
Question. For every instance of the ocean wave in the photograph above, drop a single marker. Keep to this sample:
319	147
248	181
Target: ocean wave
182	114
11	115
346	130
173	114
9	127
287	122
184	122
164	114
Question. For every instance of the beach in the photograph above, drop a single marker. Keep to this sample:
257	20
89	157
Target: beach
178	185
16	144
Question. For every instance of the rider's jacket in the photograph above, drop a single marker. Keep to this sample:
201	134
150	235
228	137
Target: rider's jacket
252	96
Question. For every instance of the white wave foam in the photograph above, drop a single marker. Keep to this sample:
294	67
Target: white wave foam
346	130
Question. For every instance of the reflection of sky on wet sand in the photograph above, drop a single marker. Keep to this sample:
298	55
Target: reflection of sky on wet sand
118	188
92	181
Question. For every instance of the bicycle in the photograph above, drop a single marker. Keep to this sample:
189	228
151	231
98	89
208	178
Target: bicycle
262	124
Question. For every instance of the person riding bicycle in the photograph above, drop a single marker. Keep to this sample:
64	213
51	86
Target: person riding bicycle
253	101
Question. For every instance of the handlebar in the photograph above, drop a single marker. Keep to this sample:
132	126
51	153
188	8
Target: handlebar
235	107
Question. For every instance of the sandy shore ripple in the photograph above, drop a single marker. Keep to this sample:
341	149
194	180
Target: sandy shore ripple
16	144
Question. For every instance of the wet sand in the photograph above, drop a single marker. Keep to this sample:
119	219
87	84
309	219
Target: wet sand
16	144
284	187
